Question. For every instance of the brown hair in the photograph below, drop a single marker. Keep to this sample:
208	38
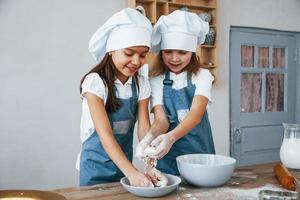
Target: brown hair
107	72
160	68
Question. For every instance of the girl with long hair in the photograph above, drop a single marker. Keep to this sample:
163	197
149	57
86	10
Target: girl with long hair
114	97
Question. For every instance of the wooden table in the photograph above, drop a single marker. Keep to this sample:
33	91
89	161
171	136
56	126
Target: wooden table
245	183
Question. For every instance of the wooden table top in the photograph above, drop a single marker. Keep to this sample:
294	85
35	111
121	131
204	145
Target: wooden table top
245	183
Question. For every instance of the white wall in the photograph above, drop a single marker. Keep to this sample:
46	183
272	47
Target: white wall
43	55
271	14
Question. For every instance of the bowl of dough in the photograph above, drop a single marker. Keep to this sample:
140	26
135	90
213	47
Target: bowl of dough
205	170
155	191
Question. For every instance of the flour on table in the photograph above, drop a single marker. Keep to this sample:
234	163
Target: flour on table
226	193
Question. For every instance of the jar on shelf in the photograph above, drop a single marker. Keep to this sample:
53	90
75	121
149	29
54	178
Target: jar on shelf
184	9
205	17
210	37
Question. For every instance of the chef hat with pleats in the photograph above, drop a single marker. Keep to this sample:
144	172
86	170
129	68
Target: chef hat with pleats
124	29
180	30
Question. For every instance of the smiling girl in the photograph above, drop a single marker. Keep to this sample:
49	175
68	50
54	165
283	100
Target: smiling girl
114	96
180	93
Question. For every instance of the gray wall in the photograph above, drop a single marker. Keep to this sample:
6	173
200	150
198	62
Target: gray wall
43	54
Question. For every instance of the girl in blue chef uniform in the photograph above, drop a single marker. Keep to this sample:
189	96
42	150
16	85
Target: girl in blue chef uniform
181	90
114	96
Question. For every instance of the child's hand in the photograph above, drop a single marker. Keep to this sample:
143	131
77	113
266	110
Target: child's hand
139	179
142	145
158	179
150	162
162	144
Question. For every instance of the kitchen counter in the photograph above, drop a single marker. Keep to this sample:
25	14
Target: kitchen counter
245	183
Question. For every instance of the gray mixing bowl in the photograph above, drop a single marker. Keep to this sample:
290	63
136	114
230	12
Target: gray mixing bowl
152	191
205	170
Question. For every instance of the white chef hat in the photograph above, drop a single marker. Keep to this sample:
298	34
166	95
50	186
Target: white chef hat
124	29
179	30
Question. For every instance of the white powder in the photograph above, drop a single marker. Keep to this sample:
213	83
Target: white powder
181	188
225	193
187	195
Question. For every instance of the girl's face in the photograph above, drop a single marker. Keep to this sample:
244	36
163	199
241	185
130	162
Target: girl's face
128	61
176	60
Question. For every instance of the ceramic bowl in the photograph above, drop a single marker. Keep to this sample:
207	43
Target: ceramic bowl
205	170
152	191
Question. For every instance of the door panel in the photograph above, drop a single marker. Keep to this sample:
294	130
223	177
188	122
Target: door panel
256	138
253	158
262	93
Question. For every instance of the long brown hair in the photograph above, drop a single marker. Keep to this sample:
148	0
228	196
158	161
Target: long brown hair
107	72
160	68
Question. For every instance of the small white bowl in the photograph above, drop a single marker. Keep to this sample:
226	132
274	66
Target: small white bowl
173	182
205	170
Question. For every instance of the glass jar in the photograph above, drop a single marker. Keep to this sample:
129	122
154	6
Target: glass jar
290	148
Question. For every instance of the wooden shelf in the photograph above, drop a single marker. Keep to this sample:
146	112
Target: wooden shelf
192	6
145	1
208	65
208	46
155	8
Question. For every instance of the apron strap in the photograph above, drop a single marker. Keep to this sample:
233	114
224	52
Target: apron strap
134	87
167	81
189	78
167	75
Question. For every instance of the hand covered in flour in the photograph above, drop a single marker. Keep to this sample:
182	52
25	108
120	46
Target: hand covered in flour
160	146
139	179
157	178
142	145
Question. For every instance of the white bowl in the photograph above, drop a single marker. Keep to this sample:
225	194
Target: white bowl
205	170
173	182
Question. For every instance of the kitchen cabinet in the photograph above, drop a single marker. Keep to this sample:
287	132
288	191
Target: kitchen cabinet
155	8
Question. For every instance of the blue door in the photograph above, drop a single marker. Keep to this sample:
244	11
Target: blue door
262	92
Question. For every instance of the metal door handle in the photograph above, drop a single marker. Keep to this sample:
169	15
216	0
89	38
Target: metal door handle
237	135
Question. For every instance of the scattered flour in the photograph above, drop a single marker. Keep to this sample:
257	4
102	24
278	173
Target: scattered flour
225	193
187	195
181	188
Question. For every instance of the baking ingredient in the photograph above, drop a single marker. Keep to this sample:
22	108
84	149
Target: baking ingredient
224	193
149	151
157	178
289	152
142	145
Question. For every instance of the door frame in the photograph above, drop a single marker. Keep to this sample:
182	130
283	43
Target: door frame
296	35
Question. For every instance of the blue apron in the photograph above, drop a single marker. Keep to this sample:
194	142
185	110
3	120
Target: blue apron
95	165
199	140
